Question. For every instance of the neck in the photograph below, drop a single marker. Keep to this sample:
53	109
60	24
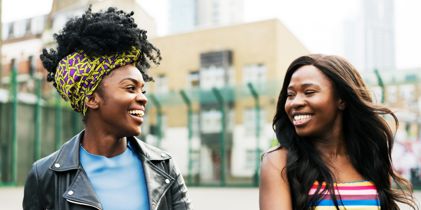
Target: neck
102	143
331	150
331	147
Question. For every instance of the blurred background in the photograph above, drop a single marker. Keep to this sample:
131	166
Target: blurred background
215	92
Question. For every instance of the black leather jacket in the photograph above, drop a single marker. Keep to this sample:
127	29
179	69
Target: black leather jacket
59	182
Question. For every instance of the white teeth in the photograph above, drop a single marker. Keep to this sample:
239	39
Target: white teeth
139	113
302	117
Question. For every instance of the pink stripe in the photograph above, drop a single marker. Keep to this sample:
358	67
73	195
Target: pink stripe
350	187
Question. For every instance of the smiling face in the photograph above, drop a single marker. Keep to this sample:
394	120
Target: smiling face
312	106
121	101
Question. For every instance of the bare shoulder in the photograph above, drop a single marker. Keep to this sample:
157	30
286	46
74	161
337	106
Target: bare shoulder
274	192
275	157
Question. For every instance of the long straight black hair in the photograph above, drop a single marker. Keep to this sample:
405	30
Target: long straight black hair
368	139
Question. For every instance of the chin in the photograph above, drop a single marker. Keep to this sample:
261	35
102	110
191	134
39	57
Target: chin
133	132
137	132
303	133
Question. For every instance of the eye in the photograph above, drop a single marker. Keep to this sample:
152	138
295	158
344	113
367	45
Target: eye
290	94
131	88
143	92
309	92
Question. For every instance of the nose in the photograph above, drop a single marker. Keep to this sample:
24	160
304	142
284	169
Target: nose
298	101
141	98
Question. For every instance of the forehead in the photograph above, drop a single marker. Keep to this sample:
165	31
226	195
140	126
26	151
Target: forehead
124	72
309	75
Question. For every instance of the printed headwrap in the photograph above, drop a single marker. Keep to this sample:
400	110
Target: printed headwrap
78	75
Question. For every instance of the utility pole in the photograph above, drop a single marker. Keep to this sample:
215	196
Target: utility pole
1	43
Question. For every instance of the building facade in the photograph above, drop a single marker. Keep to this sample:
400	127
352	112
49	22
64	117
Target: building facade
188	15
401	92
217	70
370	37
23	40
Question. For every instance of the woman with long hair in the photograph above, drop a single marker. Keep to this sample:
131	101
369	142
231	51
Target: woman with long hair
334	143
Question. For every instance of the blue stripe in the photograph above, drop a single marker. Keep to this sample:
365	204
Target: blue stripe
349	203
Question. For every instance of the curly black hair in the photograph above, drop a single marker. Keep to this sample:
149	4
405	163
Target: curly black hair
101	33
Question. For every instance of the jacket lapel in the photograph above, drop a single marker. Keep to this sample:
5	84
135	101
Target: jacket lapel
158	179
158	183
80	190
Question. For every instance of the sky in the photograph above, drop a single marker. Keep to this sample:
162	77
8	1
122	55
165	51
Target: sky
318	24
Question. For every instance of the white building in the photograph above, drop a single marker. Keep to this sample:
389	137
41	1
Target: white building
187	15
370	38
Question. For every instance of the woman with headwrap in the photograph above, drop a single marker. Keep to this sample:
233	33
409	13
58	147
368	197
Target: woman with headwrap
99	67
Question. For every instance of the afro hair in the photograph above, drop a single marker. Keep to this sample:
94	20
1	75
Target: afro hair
102	33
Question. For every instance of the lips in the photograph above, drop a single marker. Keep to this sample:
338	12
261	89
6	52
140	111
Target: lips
301	119
137	114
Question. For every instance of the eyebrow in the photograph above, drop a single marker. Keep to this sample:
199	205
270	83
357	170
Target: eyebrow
305	85
133	80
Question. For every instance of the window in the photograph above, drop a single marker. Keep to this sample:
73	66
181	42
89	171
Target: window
255	74
38	25
193	79
11	31
212	77
249	121
28	27
210	121
5	32
20	27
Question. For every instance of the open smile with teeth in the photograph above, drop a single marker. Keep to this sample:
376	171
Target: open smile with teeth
137	113
301	119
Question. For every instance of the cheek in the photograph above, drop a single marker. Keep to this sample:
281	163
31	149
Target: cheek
287	107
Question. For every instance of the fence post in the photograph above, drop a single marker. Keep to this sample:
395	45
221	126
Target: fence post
221	103
255	95
58	121
75	122
187	101
380	83
38	111
158	106
14	100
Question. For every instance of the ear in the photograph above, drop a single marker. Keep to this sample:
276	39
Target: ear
341	105
93	101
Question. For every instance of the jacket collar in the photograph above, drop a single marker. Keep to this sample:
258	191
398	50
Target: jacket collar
68	155
81	191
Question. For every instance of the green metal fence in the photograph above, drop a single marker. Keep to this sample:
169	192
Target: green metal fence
29	131
224	100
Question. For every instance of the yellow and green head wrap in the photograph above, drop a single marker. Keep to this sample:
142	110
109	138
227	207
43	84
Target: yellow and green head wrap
78	75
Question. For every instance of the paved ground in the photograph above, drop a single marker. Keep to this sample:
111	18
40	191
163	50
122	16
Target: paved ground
203	198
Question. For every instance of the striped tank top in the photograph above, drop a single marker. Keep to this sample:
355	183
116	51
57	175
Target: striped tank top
361	195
